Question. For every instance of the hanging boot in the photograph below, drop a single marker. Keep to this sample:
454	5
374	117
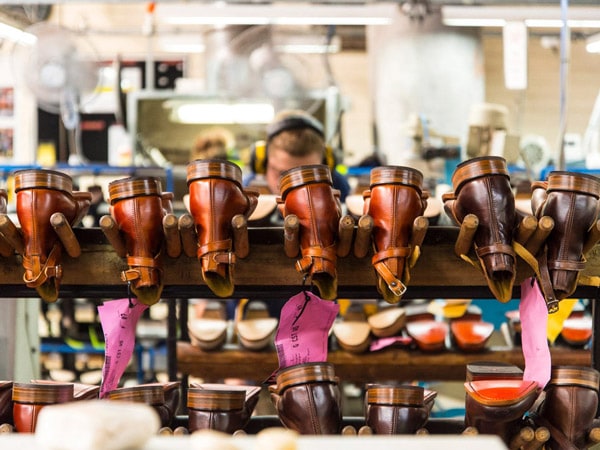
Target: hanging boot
41	194
216	196
396	409
138	209
221	407
394	201
482	190
307	192
571	200
570	406
30	398
308	399
497	406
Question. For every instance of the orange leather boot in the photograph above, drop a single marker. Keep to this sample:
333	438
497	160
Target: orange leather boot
482	188
30	398
572	201
216	196
138	207
40	194
308	193
395	199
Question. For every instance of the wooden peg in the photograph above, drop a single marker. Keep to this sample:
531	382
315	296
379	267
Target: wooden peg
525	435
422	432
541	436
6	428
349	430
189	239
241	243
170	225
592	238
365	430
537	239
526	229
110	228
6	249
419	230
593	437
464	241
470	431
345	235
65	233
291	235
362	241
12	234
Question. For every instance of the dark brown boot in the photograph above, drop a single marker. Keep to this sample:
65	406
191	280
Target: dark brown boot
395	199
216	196
40	194
482	188
497	406
6	405
137	208
307	398
151	394
30	398
396	409
221	407
307	192
570	406
571	200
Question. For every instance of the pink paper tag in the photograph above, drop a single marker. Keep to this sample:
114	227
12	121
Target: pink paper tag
381	343
303	329
119	321
534	341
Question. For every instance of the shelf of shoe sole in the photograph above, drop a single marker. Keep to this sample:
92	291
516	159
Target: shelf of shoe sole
390	364
268	273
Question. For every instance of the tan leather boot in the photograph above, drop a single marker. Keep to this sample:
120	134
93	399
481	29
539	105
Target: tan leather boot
308	193
482	188
307	398
138	209
216	196
395	199
40	194
572	201
570	406
30	398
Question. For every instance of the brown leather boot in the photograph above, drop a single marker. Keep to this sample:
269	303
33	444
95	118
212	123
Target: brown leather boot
40	194
570	406
482	188
221	407
571	200
30	398
216	196
6	405
497	406
307	398
138	209
396	409
308	193
395	199
151	394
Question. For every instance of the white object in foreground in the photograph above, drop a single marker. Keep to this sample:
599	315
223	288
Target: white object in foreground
96	425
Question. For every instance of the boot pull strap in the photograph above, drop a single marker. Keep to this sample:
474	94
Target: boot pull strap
48	270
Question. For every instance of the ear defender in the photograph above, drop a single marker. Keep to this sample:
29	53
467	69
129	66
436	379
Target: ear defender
258	152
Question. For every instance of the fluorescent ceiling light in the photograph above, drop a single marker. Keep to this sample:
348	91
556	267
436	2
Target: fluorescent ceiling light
220	113
275	14
533	16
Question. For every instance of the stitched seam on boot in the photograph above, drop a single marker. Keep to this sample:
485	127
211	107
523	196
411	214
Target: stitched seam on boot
213	214
312	410
313	225
137	221
563	251
493	223
34	228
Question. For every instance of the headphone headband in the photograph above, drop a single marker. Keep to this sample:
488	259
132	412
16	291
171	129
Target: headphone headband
294	123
